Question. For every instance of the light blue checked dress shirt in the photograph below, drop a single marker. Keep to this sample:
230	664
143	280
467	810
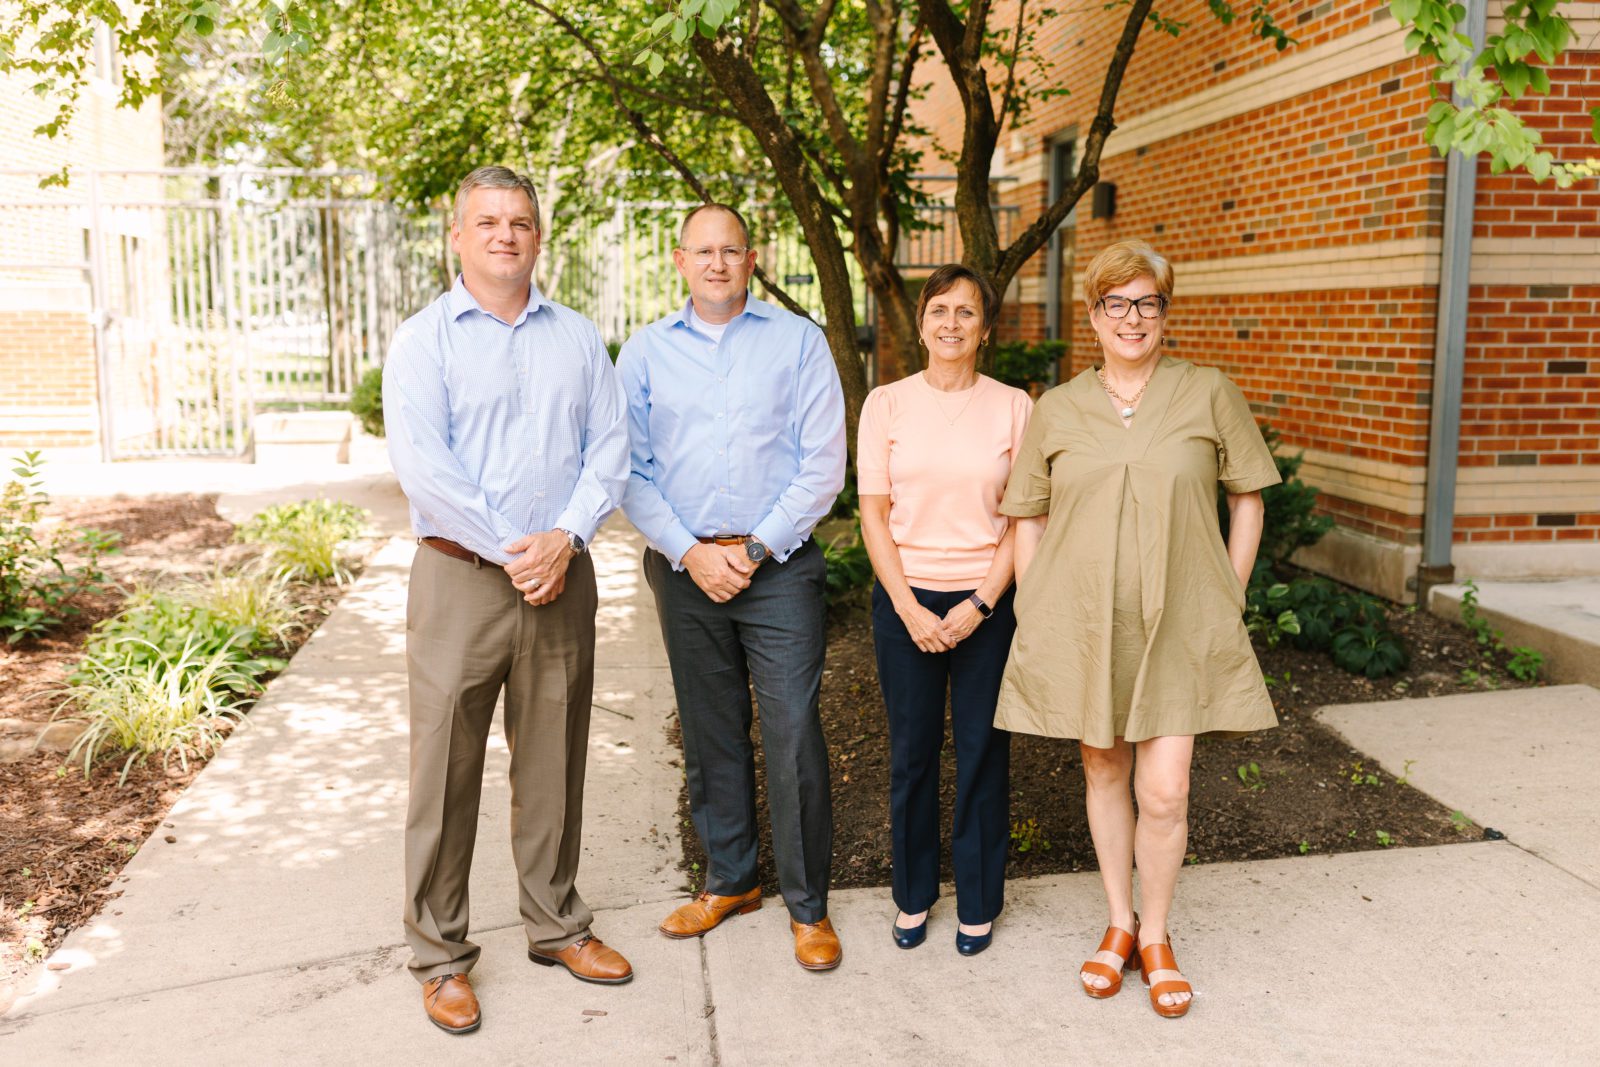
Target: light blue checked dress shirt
745	436
499	429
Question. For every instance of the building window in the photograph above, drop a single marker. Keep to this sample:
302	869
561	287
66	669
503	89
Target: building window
103	61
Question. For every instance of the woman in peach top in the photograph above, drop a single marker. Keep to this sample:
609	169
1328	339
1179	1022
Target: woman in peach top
934	454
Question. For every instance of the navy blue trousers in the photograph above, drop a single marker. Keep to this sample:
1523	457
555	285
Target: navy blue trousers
915	685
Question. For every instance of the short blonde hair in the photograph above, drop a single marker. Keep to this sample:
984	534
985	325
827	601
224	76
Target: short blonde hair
1122	262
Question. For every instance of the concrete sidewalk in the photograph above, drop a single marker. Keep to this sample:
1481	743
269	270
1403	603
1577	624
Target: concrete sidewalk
268	931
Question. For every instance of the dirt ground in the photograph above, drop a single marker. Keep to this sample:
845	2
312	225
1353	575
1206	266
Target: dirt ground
1311	792
64	838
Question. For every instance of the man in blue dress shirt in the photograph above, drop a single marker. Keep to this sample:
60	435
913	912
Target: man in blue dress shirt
506	427
736	425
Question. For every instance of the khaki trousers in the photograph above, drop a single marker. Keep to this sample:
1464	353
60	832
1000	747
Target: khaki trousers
469	634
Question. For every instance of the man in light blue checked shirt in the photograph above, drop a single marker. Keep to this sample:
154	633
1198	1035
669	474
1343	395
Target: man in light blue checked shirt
506	427
736	425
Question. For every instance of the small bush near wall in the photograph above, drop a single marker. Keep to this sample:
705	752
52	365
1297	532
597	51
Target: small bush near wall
366	401
41	569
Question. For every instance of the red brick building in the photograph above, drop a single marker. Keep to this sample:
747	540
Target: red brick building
1303	213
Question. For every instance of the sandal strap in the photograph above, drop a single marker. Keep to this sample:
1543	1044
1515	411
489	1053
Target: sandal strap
1097	968
1158	957
1119	941
1161	989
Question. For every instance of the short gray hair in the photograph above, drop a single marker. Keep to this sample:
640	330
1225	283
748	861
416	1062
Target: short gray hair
496	177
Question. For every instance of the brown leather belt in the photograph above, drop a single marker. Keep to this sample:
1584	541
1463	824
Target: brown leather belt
455	551
730	539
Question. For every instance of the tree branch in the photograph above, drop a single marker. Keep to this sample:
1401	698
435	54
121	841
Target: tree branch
1034	237
1008	95
648	134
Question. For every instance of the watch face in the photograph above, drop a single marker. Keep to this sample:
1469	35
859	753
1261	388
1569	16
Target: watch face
755	550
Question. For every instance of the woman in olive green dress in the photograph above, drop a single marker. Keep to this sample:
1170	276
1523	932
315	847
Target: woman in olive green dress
1130	636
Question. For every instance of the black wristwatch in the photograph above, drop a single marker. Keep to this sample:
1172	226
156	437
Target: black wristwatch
574	542
755	551
983	609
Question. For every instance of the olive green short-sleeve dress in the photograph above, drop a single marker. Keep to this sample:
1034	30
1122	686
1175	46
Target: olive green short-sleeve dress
1130	620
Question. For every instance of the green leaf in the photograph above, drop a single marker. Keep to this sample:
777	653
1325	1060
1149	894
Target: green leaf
643	57
1594	131
661	22
1539	166
1405	11
680	31
1541	80
1515	77
657	64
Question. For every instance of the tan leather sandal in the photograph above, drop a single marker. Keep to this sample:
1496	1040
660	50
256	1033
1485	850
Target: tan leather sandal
1154	958
1120	942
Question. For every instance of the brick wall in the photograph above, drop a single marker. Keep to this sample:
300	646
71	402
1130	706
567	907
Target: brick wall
1302	211
48	386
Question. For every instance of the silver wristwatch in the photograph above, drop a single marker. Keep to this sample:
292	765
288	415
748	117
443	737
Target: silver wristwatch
574	542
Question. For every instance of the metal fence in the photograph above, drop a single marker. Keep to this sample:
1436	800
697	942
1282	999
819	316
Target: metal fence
619	272
213	293
210	293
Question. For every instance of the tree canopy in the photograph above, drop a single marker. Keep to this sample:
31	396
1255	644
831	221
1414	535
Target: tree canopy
734	100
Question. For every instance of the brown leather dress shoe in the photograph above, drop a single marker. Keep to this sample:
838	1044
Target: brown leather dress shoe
816	946
589	960
704	912
451	1005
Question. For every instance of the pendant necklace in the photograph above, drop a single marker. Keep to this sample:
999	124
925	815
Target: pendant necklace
940	404
1127	402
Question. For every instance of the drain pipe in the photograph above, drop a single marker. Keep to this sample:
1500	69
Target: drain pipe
1449	351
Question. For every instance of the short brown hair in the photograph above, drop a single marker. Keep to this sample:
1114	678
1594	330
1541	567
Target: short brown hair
744	227
946	278
1120	263
496	177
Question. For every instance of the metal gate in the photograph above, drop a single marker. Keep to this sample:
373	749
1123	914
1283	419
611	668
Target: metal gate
212	293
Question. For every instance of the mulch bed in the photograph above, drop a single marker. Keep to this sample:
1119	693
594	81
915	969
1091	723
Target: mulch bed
1314	793
64	838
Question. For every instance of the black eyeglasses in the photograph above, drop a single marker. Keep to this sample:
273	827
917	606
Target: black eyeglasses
1117	307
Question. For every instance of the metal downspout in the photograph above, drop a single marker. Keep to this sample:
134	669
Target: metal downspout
1449	352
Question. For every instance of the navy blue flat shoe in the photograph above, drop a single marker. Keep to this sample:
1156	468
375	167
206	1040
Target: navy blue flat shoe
910	937
972	944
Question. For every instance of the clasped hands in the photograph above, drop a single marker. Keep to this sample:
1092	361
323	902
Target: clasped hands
540	569
934	634
721	571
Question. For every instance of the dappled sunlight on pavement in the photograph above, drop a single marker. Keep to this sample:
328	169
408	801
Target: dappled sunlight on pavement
288	847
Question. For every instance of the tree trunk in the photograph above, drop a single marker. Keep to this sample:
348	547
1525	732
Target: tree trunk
737	80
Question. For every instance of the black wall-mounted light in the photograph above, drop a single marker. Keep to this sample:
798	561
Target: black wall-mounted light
1104	201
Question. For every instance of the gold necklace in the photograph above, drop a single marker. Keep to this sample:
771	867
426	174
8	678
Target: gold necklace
940	404
1127	402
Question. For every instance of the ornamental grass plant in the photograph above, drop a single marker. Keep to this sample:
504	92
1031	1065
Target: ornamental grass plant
307	539
159	701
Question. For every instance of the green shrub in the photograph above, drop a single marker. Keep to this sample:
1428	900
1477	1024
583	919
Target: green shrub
253	599
1368	649
37	583
1290	522
1022	363
306	539
158	626
155	700
849	567
366	401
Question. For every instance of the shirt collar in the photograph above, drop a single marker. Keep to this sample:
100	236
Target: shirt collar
460	301
752	306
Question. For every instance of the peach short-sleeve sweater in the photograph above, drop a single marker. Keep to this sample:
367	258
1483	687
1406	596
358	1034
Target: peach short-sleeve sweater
943	460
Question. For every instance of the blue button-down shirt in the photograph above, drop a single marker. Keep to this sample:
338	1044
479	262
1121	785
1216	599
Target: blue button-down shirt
745	436
500	429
